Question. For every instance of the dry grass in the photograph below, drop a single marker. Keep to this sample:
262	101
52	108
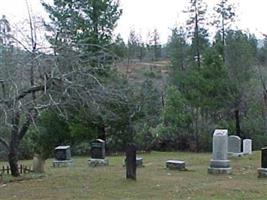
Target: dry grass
154	182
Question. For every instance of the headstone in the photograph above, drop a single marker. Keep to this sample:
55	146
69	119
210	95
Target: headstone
139	162
175	164
219	164
247	146
262	172
264	157
62	156
38	164
98	149
131	162
234	145
98	154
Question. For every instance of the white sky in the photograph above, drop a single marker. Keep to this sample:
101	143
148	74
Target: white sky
146	15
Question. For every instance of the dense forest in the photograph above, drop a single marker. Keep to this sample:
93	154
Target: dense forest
81	86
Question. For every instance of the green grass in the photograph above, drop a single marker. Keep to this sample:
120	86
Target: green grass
154	182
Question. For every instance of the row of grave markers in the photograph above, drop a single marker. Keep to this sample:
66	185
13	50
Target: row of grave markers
234	146
219	164
223	146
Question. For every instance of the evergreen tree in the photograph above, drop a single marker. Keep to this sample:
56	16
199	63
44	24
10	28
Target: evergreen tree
155	45
133	45
178	50
225	15
119	47
240	54
195	25
87	23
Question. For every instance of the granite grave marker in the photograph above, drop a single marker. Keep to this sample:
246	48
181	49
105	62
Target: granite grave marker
219	164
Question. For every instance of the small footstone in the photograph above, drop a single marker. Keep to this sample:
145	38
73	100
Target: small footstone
262	172
139	162
175	164
92	162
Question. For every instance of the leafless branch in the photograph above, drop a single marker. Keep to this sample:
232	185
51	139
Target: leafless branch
4	143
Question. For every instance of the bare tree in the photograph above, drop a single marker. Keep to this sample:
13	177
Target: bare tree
33	80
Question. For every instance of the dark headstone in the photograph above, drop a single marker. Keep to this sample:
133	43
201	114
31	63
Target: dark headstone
131	162
264	157
62	153
98	149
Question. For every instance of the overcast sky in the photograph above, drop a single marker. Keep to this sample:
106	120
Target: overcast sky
146	15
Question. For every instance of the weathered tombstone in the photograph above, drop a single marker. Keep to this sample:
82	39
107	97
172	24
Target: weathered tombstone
262	172
219	164
98	153
38	164
175	164
131	162
62	156
234	145
247	146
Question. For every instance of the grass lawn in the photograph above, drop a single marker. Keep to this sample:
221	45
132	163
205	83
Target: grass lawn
154	182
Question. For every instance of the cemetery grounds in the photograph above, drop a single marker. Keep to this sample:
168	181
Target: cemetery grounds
154	181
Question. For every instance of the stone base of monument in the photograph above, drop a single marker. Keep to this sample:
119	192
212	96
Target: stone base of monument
212	170
175	164
219	167
139	162
231	154
93	162
62	163
262	172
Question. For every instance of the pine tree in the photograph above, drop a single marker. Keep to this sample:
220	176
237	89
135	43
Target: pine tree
225	16
88	23
196	11
177	49
240	54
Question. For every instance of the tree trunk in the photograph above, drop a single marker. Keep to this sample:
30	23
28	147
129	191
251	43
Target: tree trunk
16	136
130	162
13	146
102	134
197	132
237	123
13	156
197	41
223	38
265	106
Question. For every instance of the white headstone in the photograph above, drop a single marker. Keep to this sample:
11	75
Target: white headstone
220	144
247	146
219	164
